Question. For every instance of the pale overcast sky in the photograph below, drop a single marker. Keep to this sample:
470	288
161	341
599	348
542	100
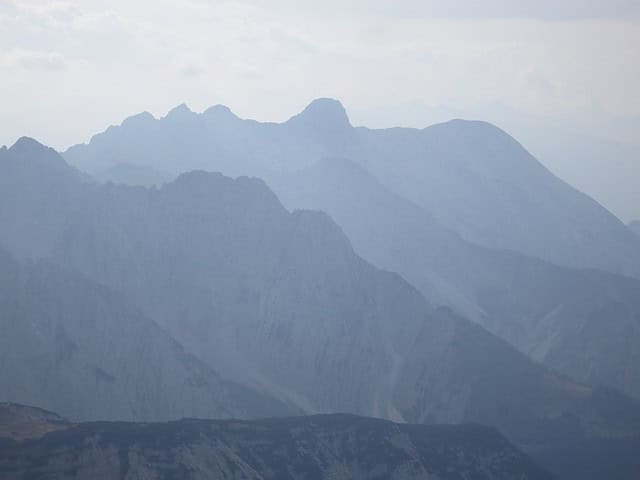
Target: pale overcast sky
68	69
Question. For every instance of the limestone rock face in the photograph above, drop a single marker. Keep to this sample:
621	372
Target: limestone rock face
583	323
71	345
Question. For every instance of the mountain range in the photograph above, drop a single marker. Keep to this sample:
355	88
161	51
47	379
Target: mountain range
39	444
582	322
72	344
473	177
280	303
460	210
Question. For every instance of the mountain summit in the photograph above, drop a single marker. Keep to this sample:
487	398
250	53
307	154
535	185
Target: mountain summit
221	112
181	110
323	112
27	148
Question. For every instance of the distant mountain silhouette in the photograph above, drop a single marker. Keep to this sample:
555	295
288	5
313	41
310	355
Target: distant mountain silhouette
280	302
563	318
583	323
472	176
635	227
339	447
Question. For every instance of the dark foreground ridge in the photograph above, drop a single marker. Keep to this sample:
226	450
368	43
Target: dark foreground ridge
316	447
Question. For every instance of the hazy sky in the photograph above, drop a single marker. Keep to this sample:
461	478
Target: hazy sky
68	69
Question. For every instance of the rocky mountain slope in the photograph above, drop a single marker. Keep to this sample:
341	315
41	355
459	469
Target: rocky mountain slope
69	344
279	301
472	176
319	447
452	182
583	323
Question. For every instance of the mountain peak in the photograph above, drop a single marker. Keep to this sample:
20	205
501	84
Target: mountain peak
27	145
220	112
179	111
138	118
30	155
208	188
323	111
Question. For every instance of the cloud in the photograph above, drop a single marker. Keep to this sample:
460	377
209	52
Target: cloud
468	9
45	14
192	70
34	60
539	9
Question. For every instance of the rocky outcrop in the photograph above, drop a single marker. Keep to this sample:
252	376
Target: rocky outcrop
336	447
77	347
21	422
